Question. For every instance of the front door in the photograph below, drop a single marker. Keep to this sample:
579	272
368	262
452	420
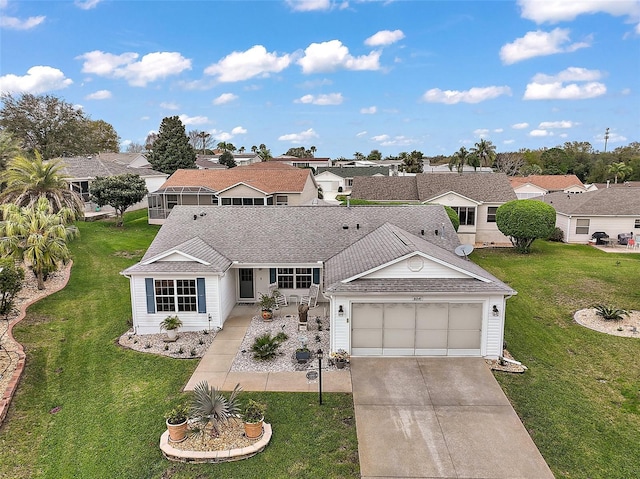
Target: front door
246	283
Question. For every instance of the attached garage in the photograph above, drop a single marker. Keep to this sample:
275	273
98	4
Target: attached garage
416	329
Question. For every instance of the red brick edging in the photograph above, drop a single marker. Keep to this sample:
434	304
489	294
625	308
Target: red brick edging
17	373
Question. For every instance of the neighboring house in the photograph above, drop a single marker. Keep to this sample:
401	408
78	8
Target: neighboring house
537	185
212	162
258	184
475	197
611	184
444	168
82	170
301	162
612	210
339	179
389	278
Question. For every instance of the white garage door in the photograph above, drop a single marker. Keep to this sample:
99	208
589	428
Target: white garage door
408	329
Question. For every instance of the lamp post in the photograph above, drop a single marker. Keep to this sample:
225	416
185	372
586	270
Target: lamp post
320	354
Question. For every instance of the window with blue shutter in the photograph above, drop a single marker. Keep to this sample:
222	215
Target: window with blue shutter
272	275
316	275
202	299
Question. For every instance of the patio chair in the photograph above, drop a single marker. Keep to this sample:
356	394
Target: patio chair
281	301
311	298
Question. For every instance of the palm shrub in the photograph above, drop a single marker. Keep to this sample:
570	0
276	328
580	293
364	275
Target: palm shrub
212	409
265	346
609	313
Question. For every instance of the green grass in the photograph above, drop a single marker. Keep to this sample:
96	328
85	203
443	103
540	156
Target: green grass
113	400
580	398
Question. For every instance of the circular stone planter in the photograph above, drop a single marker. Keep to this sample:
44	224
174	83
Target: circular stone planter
180	455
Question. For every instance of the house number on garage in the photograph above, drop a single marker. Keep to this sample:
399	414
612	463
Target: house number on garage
417	298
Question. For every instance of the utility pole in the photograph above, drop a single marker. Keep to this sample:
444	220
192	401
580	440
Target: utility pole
606	138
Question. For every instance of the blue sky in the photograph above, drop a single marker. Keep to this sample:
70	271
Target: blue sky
343	76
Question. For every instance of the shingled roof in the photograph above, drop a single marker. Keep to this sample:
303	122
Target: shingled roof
295	234
607	202
265	176
353	171
548	182
83	167
484	188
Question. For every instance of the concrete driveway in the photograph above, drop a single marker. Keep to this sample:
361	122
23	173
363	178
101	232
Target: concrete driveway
438	418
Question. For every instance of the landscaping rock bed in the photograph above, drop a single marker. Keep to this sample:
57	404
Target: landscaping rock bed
188	344
629	326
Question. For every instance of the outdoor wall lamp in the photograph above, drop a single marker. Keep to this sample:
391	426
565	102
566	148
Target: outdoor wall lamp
495	310
340	310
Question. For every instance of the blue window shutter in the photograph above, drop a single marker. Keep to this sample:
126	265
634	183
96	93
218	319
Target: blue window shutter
151	301
272	275
316	275
202	299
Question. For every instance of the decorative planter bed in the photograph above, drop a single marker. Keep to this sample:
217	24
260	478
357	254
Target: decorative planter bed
181	455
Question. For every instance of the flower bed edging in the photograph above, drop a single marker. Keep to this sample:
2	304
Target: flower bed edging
229	455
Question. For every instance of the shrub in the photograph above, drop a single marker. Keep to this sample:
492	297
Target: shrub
254	411
281	337
609	313
523	221
556	235
11	278
211	407
453	216
265	347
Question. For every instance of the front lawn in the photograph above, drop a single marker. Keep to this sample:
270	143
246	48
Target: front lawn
111	401
580	398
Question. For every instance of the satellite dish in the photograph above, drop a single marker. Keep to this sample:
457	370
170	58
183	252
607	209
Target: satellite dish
464	250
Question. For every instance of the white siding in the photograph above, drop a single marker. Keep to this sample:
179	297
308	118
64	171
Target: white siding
408	268
609	224
149	323
227	295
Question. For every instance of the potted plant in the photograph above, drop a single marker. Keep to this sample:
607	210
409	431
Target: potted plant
340	358
171	325
176	420
267	302
303	354
253	417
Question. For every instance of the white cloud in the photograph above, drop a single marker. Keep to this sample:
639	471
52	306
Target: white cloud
520	126
256	61
38	79
540	133
554	87
333	55
498	130
309	5
361	134
554	11
384	37
372	110
151	67
380	138
239	130
87	4
193	120
473	95
14	23
299	137
508	142
545	125
539	43
222	136
225	98
481	132
322	100
613	138
99	95
168	105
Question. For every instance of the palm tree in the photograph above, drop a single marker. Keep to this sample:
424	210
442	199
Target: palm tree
211	407
485	151
313	151
28	180
9	148
37	235
621	170
459	159
204	136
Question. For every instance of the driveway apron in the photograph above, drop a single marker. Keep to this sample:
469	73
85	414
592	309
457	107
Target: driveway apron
438	418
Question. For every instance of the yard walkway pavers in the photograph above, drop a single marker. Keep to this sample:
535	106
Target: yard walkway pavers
438	418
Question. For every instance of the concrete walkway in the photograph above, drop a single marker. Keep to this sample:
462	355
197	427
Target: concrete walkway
215	365
420	418
438	418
